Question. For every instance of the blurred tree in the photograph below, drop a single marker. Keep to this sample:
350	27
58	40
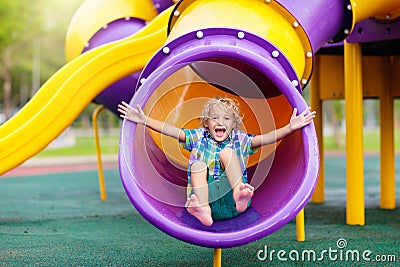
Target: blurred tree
16	34
334	110
32	37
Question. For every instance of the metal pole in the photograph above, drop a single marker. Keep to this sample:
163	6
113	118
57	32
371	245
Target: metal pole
102	184
217	257
388	184
355	206
300	231
316	104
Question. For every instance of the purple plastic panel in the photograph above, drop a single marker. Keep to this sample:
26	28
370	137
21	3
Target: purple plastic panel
124	88
372	30
121	90
161	5
156	186
322	20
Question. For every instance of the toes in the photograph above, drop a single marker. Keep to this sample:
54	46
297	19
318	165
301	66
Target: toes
187	204
248	186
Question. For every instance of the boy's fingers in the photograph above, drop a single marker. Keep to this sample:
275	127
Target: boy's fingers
125	108
122	109
308	110
305	111
126	104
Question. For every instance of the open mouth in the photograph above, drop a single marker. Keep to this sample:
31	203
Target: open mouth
220	131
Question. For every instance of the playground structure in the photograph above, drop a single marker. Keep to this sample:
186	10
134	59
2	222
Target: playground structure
268	48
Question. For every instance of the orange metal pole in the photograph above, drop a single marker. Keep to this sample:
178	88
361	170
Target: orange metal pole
300	231
316	104
217	257
388	184
102	185
355	206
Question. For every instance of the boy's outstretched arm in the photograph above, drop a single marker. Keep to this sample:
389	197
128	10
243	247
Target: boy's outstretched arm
296	122
137	115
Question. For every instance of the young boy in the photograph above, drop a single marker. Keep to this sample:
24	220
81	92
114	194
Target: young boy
217	177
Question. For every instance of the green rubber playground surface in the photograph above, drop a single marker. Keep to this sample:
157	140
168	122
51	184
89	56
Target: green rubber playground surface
59	220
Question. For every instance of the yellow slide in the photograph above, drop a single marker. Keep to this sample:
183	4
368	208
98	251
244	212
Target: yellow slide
63	97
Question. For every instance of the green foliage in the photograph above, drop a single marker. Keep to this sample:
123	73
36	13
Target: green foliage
20	21
11	24
34	33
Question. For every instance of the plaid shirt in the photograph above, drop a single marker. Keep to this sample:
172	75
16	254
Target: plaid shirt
204	148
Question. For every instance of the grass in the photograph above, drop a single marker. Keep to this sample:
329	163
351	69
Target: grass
109	141
371	142
85	145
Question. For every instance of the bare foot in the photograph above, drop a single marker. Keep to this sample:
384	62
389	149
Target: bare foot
201	212
242	196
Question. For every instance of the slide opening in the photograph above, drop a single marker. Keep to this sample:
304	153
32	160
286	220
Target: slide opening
153	167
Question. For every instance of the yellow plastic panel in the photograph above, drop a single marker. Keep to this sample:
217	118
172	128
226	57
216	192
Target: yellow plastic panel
92	15
363	9
395	66
331	79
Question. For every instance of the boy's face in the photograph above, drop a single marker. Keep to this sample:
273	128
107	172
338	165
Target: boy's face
220	123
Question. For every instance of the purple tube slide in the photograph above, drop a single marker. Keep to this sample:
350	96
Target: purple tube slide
285	179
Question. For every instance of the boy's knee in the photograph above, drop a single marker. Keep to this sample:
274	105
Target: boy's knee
198	166
227	153
228	156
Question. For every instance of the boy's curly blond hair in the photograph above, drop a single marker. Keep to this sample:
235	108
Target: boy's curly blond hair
228	104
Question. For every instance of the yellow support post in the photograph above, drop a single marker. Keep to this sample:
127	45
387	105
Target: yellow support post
217	257
355	206
300	231
102	184
388	192
316	104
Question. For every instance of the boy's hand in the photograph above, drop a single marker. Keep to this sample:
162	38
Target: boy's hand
127	112
303	119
